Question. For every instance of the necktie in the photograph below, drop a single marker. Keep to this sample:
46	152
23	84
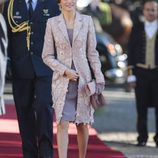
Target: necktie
30	9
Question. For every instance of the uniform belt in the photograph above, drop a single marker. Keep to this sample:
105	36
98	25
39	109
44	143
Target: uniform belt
145	66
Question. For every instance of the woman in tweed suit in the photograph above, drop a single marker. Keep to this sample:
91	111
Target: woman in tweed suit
70	43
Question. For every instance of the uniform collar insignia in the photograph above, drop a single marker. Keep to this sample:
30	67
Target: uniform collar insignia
46	12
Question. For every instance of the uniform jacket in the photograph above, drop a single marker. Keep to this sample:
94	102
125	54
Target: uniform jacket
83	49
137	46
27	64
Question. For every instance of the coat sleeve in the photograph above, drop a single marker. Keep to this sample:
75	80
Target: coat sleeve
48	53
92	53
132	44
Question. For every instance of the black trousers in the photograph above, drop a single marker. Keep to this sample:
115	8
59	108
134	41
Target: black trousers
146	96
33	106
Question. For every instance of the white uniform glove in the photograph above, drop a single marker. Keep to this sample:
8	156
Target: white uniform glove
131	78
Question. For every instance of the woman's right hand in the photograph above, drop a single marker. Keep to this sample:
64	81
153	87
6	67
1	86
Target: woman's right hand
71	74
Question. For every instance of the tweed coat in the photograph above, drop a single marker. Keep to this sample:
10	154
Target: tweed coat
58	54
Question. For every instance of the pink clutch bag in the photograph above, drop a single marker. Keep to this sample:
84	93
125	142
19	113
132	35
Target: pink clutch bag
90	88
96	100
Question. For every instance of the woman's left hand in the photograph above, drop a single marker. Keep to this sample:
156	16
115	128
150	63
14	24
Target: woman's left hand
100	87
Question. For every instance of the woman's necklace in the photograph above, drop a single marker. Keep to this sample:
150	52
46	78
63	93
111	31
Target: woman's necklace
69	24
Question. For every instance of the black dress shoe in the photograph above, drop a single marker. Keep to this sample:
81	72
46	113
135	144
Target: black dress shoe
141	144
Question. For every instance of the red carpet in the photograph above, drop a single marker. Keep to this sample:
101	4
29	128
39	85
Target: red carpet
10	142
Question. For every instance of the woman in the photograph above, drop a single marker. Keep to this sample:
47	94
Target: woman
70	43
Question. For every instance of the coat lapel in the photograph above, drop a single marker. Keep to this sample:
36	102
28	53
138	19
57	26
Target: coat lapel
62	27
77	25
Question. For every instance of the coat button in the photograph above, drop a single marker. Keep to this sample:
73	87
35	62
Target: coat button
61	53
31	53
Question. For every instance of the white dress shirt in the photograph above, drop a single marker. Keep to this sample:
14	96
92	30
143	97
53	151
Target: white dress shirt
151	28
34	3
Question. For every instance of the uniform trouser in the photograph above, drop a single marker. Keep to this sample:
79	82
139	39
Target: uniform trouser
146	96
33	105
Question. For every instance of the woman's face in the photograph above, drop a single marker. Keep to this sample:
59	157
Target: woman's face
68	5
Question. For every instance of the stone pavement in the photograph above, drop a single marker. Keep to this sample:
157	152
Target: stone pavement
116	122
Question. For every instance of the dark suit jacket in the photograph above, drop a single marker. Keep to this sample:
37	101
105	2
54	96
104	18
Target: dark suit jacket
28	64
137	46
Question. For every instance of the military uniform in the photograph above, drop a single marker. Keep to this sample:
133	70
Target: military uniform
31	77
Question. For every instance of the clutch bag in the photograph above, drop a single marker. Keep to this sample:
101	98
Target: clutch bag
96	100
90	88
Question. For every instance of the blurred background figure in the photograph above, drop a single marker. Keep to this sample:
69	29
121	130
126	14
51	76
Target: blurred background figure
100	10
143	68
3	59
121	23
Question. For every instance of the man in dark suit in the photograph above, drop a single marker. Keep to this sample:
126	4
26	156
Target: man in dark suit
26	21
143	68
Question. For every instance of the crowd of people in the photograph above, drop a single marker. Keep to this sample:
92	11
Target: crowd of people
55	61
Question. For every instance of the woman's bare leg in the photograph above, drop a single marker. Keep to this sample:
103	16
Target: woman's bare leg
62	138
82	138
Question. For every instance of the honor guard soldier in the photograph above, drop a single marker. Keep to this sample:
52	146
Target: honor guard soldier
26	22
